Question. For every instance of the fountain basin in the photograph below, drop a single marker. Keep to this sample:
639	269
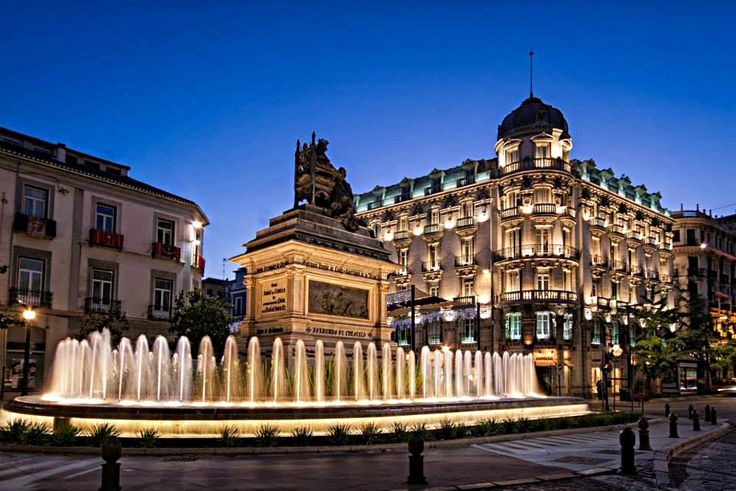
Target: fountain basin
205	420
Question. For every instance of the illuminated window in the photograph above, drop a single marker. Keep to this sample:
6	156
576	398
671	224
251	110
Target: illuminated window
468	288
595	336
542	281
434	332
544	325
513	326
614	333
468	334
567	327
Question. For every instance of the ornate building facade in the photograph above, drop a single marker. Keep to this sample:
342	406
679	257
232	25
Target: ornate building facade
528	251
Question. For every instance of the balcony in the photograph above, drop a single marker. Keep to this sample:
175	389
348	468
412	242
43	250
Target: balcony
617	229
512	212
618	265
159	312
402	235
636	270
466	266
32	298
598	224
539	251
633	235
100	305
534	164
38	228
599	261
465	222
199	263
166	251
105	239
538	296
429	267
466	301
433	229
543	209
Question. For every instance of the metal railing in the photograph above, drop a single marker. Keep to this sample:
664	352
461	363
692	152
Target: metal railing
537	295
94	305
461	261
465	222
510	212
432	229
539	250
533	164
402	235
466	300
428	266
32	298
159	312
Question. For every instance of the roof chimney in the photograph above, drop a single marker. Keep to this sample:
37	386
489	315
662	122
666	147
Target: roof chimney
61	152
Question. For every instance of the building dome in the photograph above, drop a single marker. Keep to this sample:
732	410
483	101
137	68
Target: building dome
532	116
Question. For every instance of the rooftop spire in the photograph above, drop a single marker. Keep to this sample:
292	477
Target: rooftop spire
531	73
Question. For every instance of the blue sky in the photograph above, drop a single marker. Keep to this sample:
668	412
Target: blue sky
206	99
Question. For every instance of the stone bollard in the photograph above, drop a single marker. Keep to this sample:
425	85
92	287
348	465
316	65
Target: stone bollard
416	460
707	413
696	420
713	416
666	408
690	410
627	438
644	434
112	450
673	426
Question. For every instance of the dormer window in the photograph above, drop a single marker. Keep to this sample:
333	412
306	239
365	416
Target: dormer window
512	156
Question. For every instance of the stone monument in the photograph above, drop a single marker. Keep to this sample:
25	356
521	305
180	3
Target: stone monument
316	272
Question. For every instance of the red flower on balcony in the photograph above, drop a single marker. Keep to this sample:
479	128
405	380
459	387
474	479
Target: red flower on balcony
106	239
166	251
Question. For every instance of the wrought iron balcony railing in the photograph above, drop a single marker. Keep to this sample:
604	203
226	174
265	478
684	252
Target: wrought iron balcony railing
94	305
32	298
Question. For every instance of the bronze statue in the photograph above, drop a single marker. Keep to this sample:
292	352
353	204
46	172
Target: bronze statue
319	183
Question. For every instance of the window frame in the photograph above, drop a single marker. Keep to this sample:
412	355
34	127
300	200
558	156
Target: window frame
112	218
543	325
46	201
159	229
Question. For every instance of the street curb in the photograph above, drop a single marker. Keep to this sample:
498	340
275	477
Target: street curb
234	451
662	458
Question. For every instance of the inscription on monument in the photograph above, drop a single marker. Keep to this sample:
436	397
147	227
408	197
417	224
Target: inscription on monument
273	297
338	300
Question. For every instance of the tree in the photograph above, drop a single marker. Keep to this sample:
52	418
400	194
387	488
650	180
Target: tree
655	352
114	320
196	316
10	319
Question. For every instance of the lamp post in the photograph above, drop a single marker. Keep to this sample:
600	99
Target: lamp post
28	315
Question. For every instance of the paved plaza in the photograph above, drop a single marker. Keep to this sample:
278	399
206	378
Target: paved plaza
551	461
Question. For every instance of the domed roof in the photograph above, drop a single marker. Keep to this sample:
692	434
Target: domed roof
532	116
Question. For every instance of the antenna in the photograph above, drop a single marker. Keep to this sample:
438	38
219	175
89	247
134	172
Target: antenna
531	73
224	262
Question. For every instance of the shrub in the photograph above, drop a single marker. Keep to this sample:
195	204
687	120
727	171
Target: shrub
420	428
400	431
37	434
149	437
370	433
488	427
447	429
522	425
229	436
339	434
508	425
101	432
65	435
461	431
302	435
13	431
267	435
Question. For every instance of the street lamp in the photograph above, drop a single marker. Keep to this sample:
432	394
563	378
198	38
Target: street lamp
28	315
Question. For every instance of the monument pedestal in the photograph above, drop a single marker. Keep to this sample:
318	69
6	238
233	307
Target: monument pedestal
310	278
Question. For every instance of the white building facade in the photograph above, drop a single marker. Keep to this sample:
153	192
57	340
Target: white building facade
79	236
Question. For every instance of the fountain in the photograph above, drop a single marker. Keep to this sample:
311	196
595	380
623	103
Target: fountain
92	380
